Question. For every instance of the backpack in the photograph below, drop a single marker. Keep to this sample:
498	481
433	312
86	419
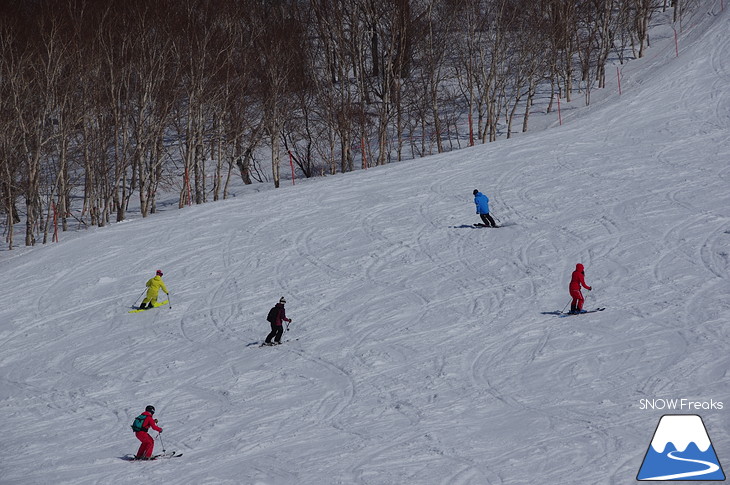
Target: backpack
138	422
273	313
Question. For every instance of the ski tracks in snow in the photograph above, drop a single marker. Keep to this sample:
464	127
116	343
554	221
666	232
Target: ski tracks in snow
423	356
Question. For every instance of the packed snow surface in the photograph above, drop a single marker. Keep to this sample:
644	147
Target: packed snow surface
422	350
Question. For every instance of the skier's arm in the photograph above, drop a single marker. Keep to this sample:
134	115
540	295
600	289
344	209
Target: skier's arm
282	315
150	422
583	282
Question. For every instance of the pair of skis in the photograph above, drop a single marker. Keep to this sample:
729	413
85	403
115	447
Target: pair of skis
168	454
568	314
154	305
161	456
582	312
264	344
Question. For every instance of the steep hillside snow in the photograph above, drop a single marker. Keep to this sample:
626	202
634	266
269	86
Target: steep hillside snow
421	350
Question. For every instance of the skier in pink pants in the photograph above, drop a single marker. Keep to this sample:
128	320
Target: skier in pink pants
577	279
143	422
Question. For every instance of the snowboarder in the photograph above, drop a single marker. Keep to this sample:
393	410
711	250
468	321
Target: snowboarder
276	316
482	203
577	279
153	288
140	431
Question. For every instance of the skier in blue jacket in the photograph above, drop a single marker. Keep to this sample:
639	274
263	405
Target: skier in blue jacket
482	203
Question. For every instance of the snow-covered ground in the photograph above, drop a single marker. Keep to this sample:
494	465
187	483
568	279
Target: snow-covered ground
421	351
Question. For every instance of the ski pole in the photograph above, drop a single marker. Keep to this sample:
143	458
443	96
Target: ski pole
140	296
169	302
566	306
159	435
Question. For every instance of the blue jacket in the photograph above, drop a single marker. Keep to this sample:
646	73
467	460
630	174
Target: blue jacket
482	202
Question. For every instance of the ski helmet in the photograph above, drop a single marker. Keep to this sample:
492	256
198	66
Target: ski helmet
159	272
282	300
150	409
475	192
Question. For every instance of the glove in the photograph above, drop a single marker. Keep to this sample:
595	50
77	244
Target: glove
589	288
160	430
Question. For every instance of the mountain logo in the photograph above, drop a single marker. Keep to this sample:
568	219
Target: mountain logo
680	450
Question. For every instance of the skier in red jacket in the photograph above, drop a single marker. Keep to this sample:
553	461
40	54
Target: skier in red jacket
577	279
277	329
148	443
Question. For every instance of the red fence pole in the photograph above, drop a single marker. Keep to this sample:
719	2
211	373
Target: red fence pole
291	163
560	117
186	181
55	224
364	156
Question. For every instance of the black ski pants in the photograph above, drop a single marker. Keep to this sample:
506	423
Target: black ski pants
276	332
487	220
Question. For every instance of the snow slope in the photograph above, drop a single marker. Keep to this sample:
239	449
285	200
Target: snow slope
423	355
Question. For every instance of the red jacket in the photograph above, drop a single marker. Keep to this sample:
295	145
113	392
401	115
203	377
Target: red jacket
149	422
280	315
577	279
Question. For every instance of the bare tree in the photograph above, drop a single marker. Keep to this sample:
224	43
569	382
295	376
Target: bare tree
643	10
113	100
335	23
34	77
280	69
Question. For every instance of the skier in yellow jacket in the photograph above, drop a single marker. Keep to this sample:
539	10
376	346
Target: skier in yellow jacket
153	288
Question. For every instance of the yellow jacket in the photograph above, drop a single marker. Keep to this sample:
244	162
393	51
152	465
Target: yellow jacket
154	285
